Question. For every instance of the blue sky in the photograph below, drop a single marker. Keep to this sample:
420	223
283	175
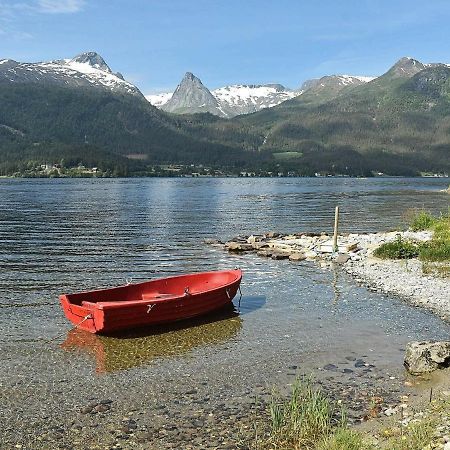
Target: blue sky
154	42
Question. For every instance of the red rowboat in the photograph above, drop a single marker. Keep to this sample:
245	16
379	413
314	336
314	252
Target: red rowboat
153	302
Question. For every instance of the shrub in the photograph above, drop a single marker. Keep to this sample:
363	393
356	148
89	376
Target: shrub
398	249
435	250
442	229
422	221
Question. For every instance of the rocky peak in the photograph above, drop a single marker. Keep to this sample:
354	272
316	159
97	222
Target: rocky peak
309	84
278	87
93	59
189	76
191	95
333	81
405	67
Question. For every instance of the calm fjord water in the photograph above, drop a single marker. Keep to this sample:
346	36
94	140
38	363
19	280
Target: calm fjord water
66	235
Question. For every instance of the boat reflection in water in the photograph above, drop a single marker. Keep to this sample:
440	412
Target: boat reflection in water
133	348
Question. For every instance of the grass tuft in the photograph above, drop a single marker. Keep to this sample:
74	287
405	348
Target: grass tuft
435	250
398	249
305	419
344	439
422	221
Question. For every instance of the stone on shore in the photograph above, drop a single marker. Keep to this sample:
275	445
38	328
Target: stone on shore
311	254
427	356
342	258
233	246
343	247
297	256
280	254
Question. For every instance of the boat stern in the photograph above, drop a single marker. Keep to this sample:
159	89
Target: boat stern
82	317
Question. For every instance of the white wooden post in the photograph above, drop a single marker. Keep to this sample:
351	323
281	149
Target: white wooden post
335	235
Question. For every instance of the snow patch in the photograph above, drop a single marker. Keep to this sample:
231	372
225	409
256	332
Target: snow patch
250	98
159	100
351	79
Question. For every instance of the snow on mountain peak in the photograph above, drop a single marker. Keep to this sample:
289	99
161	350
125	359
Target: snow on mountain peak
251	98
230	100
92	59
86	69
351	79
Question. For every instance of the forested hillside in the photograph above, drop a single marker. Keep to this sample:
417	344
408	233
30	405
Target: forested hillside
49	123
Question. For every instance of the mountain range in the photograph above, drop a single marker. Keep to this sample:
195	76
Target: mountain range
80	112
192	96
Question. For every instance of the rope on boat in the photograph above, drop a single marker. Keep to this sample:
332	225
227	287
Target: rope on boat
89	316
239	301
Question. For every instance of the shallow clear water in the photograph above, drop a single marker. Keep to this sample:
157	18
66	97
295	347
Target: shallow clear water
65	235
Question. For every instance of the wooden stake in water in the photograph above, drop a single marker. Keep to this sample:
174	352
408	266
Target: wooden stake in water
335	235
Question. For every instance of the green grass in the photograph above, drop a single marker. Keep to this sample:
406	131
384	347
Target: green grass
344	439
435	250
438	249
422	221
308	420
416	436
304	418
398	249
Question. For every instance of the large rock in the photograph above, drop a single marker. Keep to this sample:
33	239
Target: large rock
238	247
280	254
423	357
342	258
297	256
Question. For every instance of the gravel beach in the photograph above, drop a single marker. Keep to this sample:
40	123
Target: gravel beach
402	278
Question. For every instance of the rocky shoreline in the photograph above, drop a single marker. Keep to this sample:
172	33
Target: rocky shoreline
402	278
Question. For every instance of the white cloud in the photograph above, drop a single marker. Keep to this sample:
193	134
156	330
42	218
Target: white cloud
60	6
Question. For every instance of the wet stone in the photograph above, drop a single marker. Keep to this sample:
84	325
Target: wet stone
102	408
330	367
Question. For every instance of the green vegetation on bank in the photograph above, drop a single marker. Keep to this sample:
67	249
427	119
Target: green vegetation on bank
398	249
435	253
308	420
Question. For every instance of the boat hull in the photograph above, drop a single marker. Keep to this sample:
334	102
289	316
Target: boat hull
154	302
